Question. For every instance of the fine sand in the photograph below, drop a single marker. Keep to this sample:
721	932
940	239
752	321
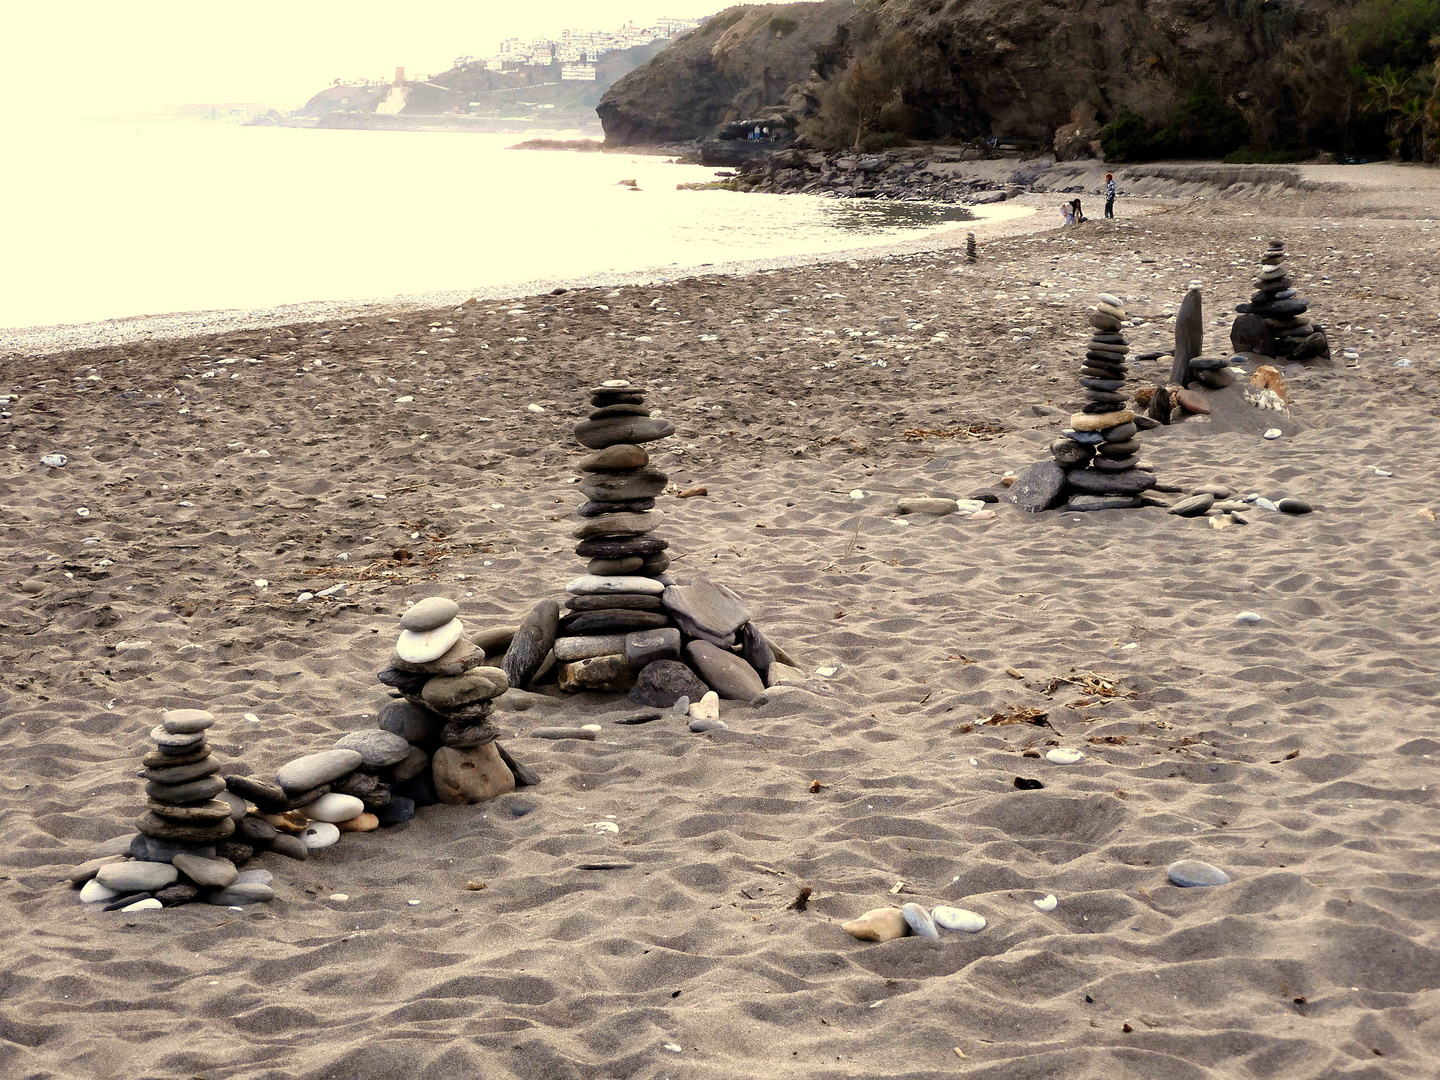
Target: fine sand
399	458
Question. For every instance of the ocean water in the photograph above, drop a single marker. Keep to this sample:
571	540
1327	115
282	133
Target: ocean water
112	219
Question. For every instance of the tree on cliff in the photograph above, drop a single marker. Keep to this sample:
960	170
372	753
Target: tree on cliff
867	96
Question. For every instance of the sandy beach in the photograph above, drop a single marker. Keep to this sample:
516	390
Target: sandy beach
409	452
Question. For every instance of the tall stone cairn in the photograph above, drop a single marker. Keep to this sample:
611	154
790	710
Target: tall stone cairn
625	624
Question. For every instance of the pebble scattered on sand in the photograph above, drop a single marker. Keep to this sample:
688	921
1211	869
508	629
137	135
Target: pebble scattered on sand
1048	903
1062	756
962	919
1194	874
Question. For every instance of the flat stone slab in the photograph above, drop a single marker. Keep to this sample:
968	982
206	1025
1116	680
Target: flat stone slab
591	585
706	606
729	675
429	613
1038	487
422	646
377	747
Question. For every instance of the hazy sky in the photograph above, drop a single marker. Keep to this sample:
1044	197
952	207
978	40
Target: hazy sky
93	58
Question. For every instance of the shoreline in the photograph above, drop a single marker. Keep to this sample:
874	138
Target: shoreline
66	337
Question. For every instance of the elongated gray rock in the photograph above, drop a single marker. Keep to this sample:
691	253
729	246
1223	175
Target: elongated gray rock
623	524
136	876
312	770
624	486
598	434
377	748
1189	337
590	585
531	644
1129	482
727	674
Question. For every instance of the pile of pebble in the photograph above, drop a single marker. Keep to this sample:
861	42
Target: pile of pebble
187	847
971	253
626	625
1097	459
1273	323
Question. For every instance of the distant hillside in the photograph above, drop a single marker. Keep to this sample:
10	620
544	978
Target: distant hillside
734	66
1168	77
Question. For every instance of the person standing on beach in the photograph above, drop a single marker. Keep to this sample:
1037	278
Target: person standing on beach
1109	195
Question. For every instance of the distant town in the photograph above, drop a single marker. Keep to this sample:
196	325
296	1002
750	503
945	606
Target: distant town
577	52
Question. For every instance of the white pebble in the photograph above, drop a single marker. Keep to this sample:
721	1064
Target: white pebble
672	1048
707	708
535	408
1062	756
261	583
148	904
85	512
55	461
319	834
251	718
857	494
339	896
1248	618
93	892
603	826
1383	472
1273	433
1048	904
954	918
412	903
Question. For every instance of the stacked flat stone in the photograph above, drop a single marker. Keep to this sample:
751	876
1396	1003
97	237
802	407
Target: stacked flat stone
626	624
971	253
1287	331
183	850
1100	451
446	749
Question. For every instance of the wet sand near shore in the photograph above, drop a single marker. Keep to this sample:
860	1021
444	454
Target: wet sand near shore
399	455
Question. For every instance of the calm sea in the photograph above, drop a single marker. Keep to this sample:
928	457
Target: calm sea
106	220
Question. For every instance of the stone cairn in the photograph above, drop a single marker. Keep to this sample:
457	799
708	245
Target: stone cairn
1096	460
626	625
187	848
444	743
971	253
1273	323
434	744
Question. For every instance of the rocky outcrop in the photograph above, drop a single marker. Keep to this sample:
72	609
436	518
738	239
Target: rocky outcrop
980	69
742	63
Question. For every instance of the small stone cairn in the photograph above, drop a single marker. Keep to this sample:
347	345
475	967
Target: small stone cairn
1096	460
437	735
185	849
1273	323
626	625
971	254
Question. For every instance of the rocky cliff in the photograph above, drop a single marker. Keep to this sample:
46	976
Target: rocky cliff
744	62
971	68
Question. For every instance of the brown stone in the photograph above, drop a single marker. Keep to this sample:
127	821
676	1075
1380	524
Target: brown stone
447	694
606	674
1269	378
614	458
470	776
1192	402
882	924
359	823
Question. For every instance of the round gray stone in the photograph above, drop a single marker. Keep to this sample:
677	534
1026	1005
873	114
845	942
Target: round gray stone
186	721
376	748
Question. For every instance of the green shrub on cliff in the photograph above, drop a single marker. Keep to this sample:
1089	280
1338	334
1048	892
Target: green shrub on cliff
1200	126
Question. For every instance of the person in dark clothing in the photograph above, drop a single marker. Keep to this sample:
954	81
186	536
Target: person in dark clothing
1079	214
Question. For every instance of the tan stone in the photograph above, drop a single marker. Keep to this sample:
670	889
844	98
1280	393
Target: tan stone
471	775
882	924
458	659
606	674
359	823
292	821
1100	421
1192	402
1269	378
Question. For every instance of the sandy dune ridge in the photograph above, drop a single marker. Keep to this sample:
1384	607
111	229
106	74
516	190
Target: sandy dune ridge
1299	754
